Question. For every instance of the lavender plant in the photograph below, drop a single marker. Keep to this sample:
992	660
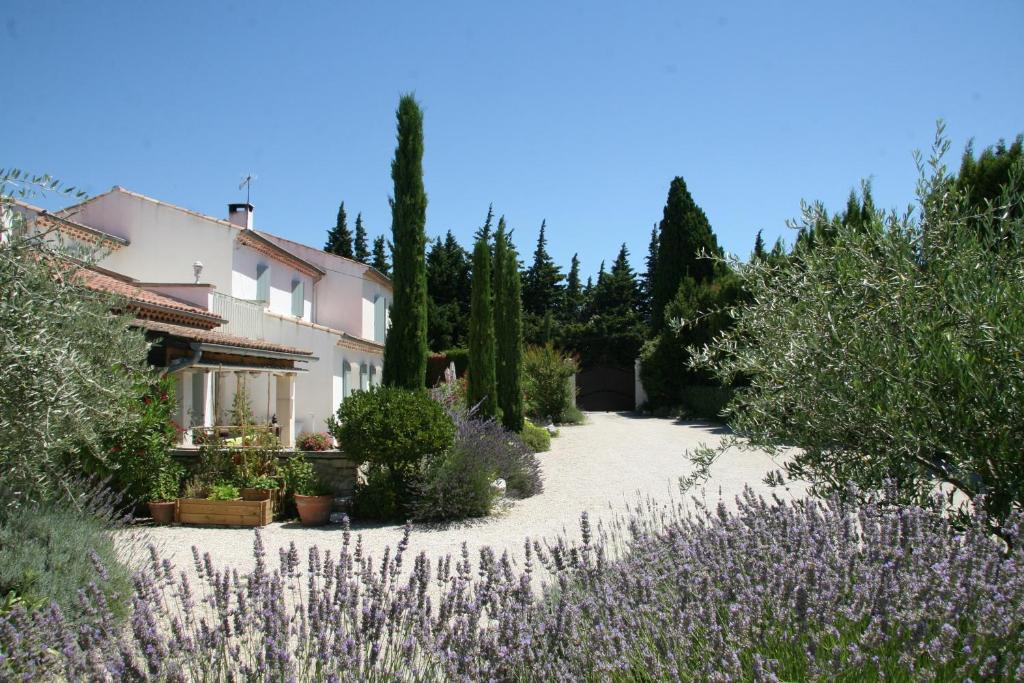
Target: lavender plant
814	590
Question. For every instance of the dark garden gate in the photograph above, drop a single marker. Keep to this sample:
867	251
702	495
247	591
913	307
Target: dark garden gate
606	387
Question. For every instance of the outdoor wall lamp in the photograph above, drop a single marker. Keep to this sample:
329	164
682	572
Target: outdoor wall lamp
197	268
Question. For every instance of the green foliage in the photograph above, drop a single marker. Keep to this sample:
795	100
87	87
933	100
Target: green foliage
405	349
314	441
982	179
613	331
50	548
378	498
537	439
137	450
339	238
893	354
241	407
546	374
684	235
69	369
360	250
508	328
647	279
542	281
455	485
705	401
448	290
572	302
482	384
392	427
698	314
379	259
299	476
165	484
223	491
571	416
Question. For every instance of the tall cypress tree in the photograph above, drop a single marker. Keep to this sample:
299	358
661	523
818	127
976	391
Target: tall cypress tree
542	281
508	326
759	251
380	256
339	238
573	301
359	248
613	332
405	350
482	387
684	233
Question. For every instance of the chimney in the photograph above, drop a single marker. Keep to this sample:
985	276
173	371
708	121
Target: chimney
240	215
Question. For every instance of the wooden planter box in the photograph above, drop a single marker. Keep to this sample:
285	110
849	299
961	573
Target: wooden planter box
224	512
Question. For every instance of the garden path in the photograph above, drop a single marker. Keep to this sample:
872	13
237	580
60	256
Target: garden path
602	467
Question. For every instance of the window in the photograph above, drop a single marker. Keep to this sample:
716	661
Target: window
298	298
380	312
364	377
263	283
346	379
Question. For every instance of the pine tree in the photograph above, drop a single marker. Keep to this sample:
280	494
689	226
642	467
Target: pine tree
360	250
484	231
573	300
646	300
482	382
448	292
684	233
542	281
759	252
613	331
380	256
339	238
508	326
405	350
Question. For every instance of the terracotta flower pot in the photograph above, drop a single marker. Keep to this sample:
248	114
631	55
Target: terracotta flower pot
162	513
314	510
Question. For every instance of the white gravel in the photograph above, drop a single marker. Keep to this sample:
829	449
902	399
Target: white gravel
600	467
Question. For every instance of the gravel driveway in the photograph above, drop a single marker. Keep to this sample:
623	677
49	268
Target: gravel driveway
600	467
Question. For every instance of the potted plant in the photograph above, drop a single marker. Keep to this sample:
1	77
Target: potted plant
221	504
261	487
163	493
312	499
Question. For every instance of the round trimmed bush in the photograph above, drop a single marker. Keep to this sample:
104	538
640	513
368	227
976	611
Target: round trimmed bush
392	427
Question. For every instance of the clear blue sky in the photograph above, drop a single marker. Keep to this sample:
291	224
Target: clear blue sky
578	113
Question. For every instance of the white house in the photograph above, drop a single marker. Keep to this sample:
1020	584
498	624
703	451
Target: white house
301	328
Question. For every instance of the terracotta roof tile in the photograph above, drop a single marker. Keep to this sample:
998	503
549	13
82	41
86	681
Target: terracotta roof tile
103	282
211	337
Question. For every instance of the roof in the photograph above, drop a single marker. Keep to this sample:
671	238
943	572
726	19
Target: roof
355	343
145	301
79	230
261	244
219	338
372	272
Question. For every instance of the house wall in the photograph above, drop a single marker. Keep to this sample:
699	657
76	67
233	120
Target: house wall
164	243
346	294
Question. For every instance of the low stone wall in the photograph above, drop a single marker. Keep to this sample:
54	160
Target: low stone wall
334	467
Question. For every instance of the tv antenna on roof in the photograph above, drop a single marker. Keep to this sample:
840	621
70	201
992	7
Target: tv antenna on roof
247	184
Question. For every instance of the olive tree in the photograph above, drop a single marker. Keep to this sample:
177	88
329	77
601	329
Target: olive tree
70	368
892	356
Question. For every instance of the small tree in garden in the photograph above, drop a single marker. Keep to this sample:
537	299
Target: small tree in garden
508	326
892	354
546	375
482	387
405	350
70	370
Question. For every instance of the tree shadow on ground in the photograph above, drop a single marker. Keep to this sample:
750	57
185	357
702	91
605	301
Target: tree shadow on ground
705	425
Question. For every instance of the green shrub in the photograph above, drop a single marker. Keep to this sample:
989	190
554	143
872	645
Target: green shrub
376	498
313	441
546	381
889	351
166	484
706	402
223	491
536	438
571	416
49	549
392	427
456	485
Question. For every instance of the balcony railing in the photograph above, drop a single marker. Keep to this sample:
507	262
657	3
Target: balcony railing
245	318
